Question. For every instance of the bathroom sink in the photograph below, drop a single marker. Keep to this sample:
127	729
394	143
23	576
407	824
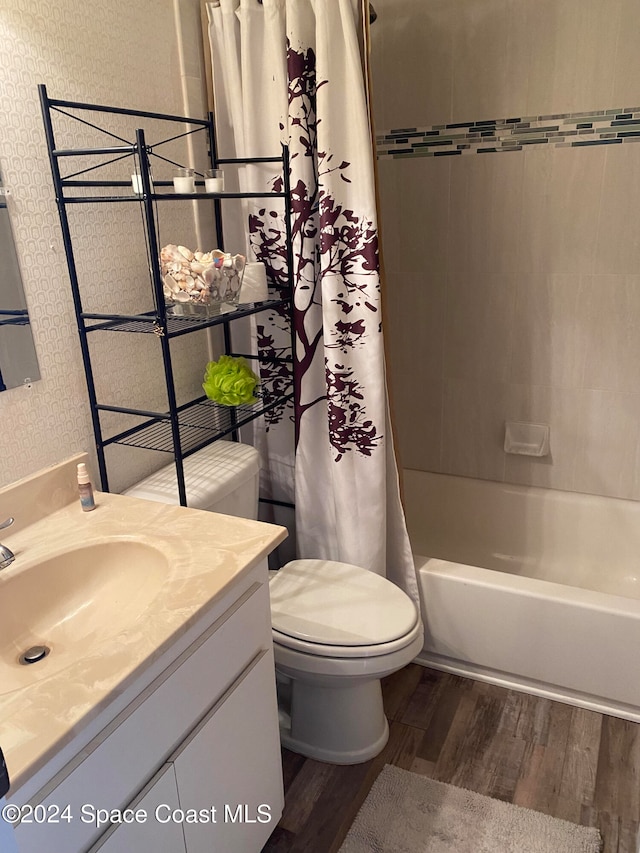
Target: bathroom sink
72	603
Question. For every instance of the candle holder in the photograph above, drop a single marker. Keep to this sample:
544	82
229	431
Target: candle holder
136	183
184	181
214	180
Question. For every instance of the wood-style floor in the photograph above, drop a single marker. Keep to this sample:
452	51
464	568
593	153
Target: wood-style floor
567	762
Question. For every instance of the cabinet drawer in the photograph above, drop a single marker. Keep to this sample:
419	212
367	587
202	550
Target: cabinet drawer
7	838
116	764
231	764
153	835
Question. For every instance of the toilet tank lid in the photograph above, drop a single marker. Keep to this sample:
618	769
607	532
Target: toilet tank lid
322	601
210	474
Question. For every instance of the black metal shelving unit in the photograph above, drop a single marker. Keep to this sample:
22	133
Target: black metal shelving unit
181	430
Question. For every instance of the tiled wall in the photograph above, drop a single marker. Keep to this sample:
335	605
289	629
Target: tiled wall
499	136
121	53
514	281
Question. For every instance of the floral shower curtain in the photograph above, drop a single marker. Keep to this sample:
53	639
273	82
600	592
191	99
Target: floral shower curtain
290	70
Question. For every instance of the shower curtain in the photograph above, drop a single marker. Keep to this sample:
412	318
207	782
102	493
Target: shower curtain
291	71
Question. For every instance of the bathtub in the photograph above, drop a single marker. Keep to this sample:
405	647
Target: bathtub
532	589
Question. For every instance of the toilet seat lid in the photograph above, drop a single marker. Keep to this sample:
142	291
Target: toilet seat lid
330	603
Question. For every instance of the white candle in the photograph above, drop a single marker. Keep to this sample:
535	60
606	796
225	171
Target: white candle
184	185
136	183
214	181
214	185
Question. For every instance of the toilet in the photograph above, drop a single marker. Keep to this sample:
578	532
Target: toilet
337	628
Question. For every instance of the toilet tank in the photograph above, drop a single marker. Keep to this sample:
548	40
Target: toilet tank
222	477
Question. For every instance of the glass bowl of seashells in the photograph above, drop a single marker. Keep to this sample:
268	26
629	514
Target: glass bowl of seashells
200	283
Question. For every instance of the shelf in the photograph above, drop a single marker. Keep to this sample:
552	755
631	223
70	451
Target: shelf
111	199
17	317
196	196
104	108
150	323
14	321
201	423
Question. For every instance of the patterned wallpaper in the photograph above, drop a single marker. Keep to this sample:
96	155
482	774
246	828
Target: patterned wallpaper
120	53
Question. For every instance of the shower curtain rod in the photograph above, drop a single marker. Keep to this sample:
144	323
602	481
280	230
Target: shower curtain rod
372	12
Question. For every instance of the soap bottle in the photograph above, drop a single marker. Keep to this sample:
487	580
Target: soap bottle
85	489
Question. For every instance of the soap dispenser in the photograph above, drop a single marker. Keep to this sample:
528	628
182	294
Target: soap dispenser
85	489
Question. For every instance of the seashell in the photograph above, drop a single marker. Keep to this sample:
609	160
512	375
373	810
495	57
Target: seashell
166	253
170	284
181	296
239	262
197	267
186	253
170	254
209	275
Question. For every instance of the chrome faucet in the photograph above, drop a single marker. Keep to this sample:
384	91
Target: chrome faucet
6	556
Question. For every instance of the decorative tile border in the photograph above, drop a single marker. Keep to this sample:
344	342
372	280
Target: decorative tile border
600	127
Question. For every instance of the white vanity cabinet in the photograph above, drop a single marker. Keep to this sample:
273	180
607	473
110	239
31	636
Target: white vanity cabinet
196	755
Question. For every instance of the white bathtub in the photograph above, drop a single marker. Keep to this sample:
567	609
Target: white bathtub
534	589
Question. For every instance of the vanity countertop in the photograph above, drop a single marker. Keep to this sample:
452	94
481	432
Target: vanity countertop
203	556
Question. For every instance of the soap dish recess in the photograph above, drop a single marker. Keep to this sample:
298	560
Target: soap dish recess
526	439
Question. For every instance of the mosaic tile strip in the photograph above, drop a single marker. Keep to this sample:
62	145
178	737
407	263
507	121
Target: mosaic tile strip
492	136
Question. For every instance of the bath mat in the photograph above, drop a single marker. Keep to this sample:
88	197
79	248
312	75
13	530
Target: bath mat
408	813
